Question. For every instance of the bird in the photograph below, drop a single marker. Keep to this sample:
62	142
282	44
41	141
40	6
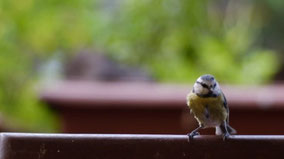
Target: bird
209	106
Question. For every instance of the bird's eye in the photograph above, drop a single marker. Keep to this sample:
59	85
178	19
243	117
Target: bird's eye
204	85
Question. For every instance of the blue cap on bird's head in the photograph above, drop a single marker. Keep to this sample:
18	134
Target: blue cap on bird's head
207	77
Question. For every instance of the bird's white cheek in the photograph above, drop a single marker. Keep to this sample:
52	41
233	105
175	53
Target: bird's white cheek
200	90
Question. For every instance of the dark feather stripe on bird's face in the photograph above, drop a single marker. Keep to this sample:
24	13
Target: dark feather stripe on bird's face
203	84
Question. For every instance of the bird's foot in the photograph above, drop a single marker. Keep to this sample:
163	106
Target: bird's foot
226	136
192	134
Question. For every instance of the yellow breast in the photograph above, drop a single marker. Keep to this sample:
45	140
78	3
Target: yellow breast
208	111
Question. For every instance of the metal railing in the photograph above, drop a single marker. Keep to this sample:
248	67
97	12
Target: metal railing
115	146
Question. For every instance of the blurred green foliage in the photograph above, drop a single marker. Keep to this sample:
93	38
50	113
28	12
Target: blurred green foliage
177	40
180	40
32	31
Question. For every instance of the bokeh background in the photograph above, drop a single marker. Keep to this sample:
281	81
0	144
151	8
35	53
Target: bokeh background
149	41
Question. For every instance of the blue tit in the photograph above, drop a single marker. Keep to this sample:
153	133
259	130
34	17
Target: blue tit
209	106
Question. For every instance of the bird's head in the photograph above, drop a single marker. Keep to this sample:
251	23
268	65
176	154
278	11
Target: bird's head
206	86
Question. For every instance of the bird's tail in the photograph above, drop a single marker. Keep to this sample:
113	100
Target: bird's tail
221	129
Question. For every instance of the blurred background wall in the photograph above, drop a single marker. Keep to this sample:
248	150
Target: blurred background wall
161	41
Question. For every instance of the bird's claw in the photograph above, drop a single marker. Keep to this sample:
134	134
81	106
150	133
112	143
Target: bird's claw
192	134
226	136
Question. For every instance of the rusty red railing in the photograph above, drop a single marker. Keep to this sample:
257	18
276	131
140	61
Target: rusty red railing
111	146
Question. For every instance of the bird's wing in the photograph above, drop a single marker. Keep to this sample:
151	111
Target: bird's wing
225	104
